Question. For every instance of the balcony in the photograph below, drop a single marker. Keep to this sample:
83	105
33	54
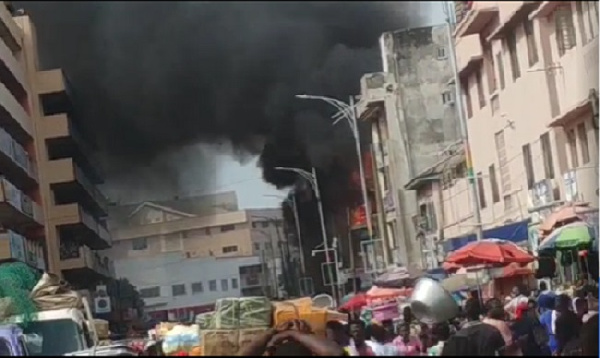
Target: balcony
512	15
10	32
11	72
63	140
476	17
469	55
71	185
15	163
581	184
77	225
13	117
53	89
79	264
17	211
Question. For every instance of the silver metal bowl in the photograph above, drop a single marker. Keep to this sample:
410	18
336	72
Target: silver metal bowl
431	303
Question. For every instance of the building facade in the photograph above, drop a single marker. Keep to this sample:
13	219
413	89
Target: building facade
529	78
242	252
67	175
411	108
21	205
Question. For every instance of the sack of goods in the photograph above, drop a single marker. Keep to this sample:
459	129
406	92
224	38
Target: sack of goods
181	340
235	322
17	280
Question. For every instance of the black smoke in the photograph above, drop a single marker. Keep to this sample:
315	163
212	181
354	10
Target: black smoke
154	77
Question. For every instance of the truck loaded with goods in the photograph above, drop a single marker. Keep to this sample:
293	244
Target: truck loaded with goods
40	315
236	322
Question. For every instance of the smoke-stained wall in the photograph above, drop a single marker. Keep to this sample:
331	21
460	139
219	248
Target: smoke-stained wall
419	59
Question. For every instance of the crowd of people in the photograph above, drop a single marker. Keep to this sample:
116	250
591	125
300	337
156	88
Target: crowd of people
541	323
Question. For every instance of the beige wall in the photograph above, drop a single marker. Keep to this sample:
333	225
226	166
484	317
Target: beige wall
523	111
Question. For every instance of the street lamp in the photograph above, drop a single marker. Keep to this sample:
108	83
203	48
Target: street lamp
311	178
348	112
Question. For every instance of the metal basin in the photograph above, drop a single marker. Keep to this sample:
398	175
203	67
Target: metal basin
431	303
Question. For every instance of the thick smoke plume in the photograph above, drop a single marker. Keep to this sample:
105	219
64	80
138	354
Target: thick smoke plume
154	77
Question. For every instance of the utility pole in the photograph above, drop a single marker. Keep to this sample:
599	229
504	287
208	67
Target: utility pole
450	23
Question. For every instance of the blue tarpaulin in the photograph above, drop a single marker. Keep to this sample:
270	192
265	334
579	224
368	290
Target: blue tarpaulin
514	232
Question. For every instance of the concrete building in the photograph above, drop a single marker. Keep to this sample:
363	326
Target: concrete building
21	206
529	77
412	111
67	177
170	254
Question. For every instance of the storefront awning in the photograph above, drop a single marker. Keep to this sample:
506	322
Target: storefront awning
514	232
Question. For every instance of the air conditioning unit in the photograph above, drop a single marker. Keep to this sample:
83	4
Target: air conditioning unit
102	300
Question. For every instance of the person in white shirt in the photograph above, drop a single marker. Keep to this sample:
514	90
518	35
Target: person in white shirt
517	297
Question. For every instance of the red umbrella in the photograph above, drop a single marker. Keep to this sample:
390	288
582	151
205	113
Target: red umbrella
357	302
489	252
515	269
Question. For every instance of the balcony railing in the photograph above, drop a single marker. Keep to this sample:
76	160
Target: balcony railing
20	201
91	188
74	257
13	150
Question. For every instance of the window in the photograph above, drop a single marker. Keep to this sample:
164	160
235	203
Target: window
226	228
441	53
583	143
495	104
171	244
256	246
230	249
207	231
502	161
178	290
268	246
480	93
264	224
500	69
508	203
494	184
532	52
490	70
547	154
197	287
234	283
572	142
139	244
224	284
564	28
212	285
591	8
447	97
528	162
511	44
580	21
467	94
150	292
481	190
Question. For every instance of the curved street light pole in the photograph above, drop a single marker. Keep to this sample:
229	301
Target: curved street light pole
348	112
312	179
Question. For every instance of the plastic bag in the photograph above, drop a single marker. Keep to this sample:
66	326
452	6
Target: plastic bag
181	339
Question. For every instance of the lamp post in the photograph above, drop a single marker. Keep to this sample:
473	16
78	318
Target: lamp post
311	178
348	112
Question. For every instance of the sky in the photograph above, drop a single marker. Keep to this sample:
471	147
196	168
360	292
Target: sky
245	178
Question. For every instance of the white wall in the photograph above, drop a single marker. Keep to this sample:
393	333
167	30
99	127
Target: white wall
172	269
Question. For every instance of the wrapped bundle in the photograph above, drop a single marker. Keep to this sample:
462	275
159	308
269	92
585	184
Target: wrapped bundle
163	328
205	320
255	312
220	342
303	304
227	313
248	335
317	319
181	339
284	312
101	328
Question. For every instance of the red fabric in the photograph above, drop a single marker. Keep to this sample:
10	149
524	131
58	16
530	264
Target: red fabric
489	252
521	309
357	302
515	269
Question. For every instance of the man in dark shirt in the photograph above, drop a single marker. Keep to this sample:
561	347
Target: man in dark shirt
475	338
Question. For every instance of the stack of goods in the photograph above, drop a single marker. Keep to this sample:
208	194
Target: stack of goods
235	322
17	280
163	328
101	329
182	340
303	309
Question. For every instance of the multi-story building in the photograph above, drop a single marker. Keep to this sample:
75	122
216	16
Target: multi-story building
181	261
529	77
21	187
74	208
411	107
